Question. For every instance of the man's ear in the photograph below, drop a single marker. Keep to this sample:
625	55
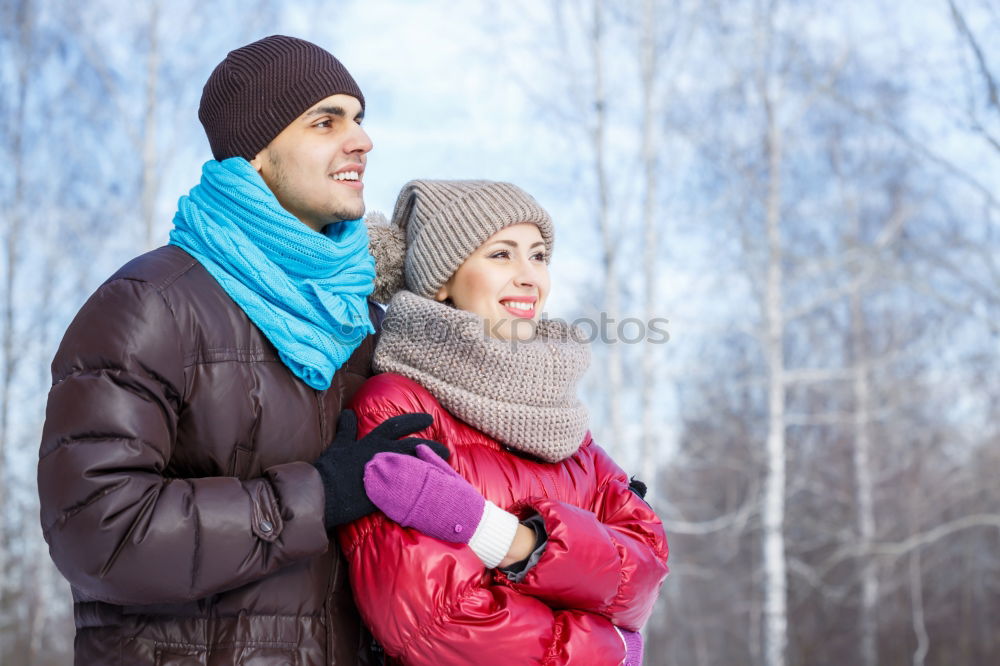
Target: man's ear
258	160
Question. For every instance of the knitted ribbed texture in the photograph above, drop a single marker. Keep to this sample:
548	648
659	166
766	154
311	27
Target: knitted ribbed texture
520	393
446	220
260	88
425	493
494	536
633	647
306	291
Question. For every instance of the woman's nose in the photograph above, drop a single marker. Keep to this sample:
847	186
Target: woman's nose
525	276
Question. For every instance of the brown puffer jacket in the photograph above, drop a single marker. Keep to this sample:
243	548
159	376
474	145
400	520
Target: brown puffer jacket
176	491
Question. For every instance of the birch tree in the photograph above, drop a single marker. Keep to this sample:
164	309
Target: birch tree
151	172
21	38
607	231
773	513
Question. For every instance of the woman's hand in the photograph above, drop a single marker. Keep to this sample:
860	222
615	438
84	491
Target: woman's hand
425	493
633	647
525	542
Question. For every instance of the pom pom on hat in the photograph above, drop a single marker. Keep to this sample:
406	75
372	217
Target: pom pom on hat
387	243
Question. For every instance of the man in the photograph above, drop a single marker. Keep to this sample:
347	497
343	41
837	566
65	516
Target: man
187	477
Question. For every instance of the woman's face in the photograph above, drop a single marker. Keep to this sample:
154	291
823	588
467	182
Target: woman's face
505	281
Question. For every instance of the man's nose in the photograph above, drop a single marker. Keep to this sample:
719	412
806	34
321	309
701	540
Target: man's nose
359	141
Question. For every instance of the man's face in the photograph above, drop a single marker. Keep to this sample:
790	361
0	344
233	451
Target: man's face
315	166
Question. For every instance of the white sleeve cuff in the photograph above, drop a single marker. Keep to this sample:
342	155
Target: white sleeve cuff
494	535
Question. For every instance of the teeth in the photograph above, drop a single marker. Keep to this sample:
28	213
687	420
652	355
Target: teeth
517	305
347	175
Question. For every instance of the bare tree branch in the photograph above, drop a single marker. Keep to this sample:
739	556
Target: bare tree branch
992	92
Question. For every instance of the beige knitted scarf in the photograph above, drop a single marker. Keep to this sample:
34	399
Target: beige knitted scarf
520	393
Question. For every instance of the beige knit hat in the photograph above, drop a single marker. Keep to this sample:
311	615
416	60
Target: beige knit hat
437	224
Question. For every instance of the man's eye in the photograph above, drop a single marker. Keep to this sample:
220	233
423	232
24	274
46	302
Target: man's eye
323	123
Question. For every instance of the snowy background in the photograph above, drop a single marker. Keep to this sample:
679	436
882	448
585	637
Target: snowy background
809	192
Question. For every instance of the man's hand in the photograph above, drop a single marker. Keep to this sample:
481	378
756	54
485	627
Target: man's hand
342	465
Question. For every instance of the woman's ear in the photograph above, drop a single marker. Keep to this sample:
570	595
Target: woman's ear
442	293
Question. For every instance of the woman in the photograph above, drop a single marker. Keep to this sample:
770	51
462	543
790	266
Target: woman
530	547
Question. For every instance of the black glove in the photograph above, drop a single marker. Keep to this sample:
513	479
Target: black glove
342	465
638	487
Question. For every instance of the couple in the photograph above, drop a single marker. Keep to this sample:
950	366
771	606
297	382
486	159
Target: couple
213	430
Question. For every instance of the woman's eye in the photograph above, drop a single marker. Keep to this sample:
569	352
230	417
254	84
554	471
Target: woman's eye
500	254
539	256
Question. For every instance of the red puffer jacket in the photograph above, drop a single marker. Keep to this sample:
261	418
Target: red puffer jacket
433	602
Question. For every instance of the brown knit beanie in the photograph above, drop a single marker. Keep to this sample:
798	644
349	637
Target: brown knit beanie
438	224
262	87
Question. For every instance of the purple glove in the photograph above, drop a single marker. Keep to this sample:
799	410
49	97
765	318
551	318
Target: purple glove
633	639
424	493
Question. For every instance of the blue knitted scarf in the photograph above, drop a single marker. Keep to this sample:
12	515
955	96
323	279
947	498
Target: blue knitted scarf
306	291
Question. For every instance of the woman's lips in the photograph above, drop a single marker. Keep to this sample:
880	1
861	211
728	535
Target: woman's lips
524	309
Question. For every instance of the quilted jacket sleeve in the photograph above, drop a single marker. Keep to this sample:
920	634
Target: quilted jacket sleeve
429	601
119	529
619	542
